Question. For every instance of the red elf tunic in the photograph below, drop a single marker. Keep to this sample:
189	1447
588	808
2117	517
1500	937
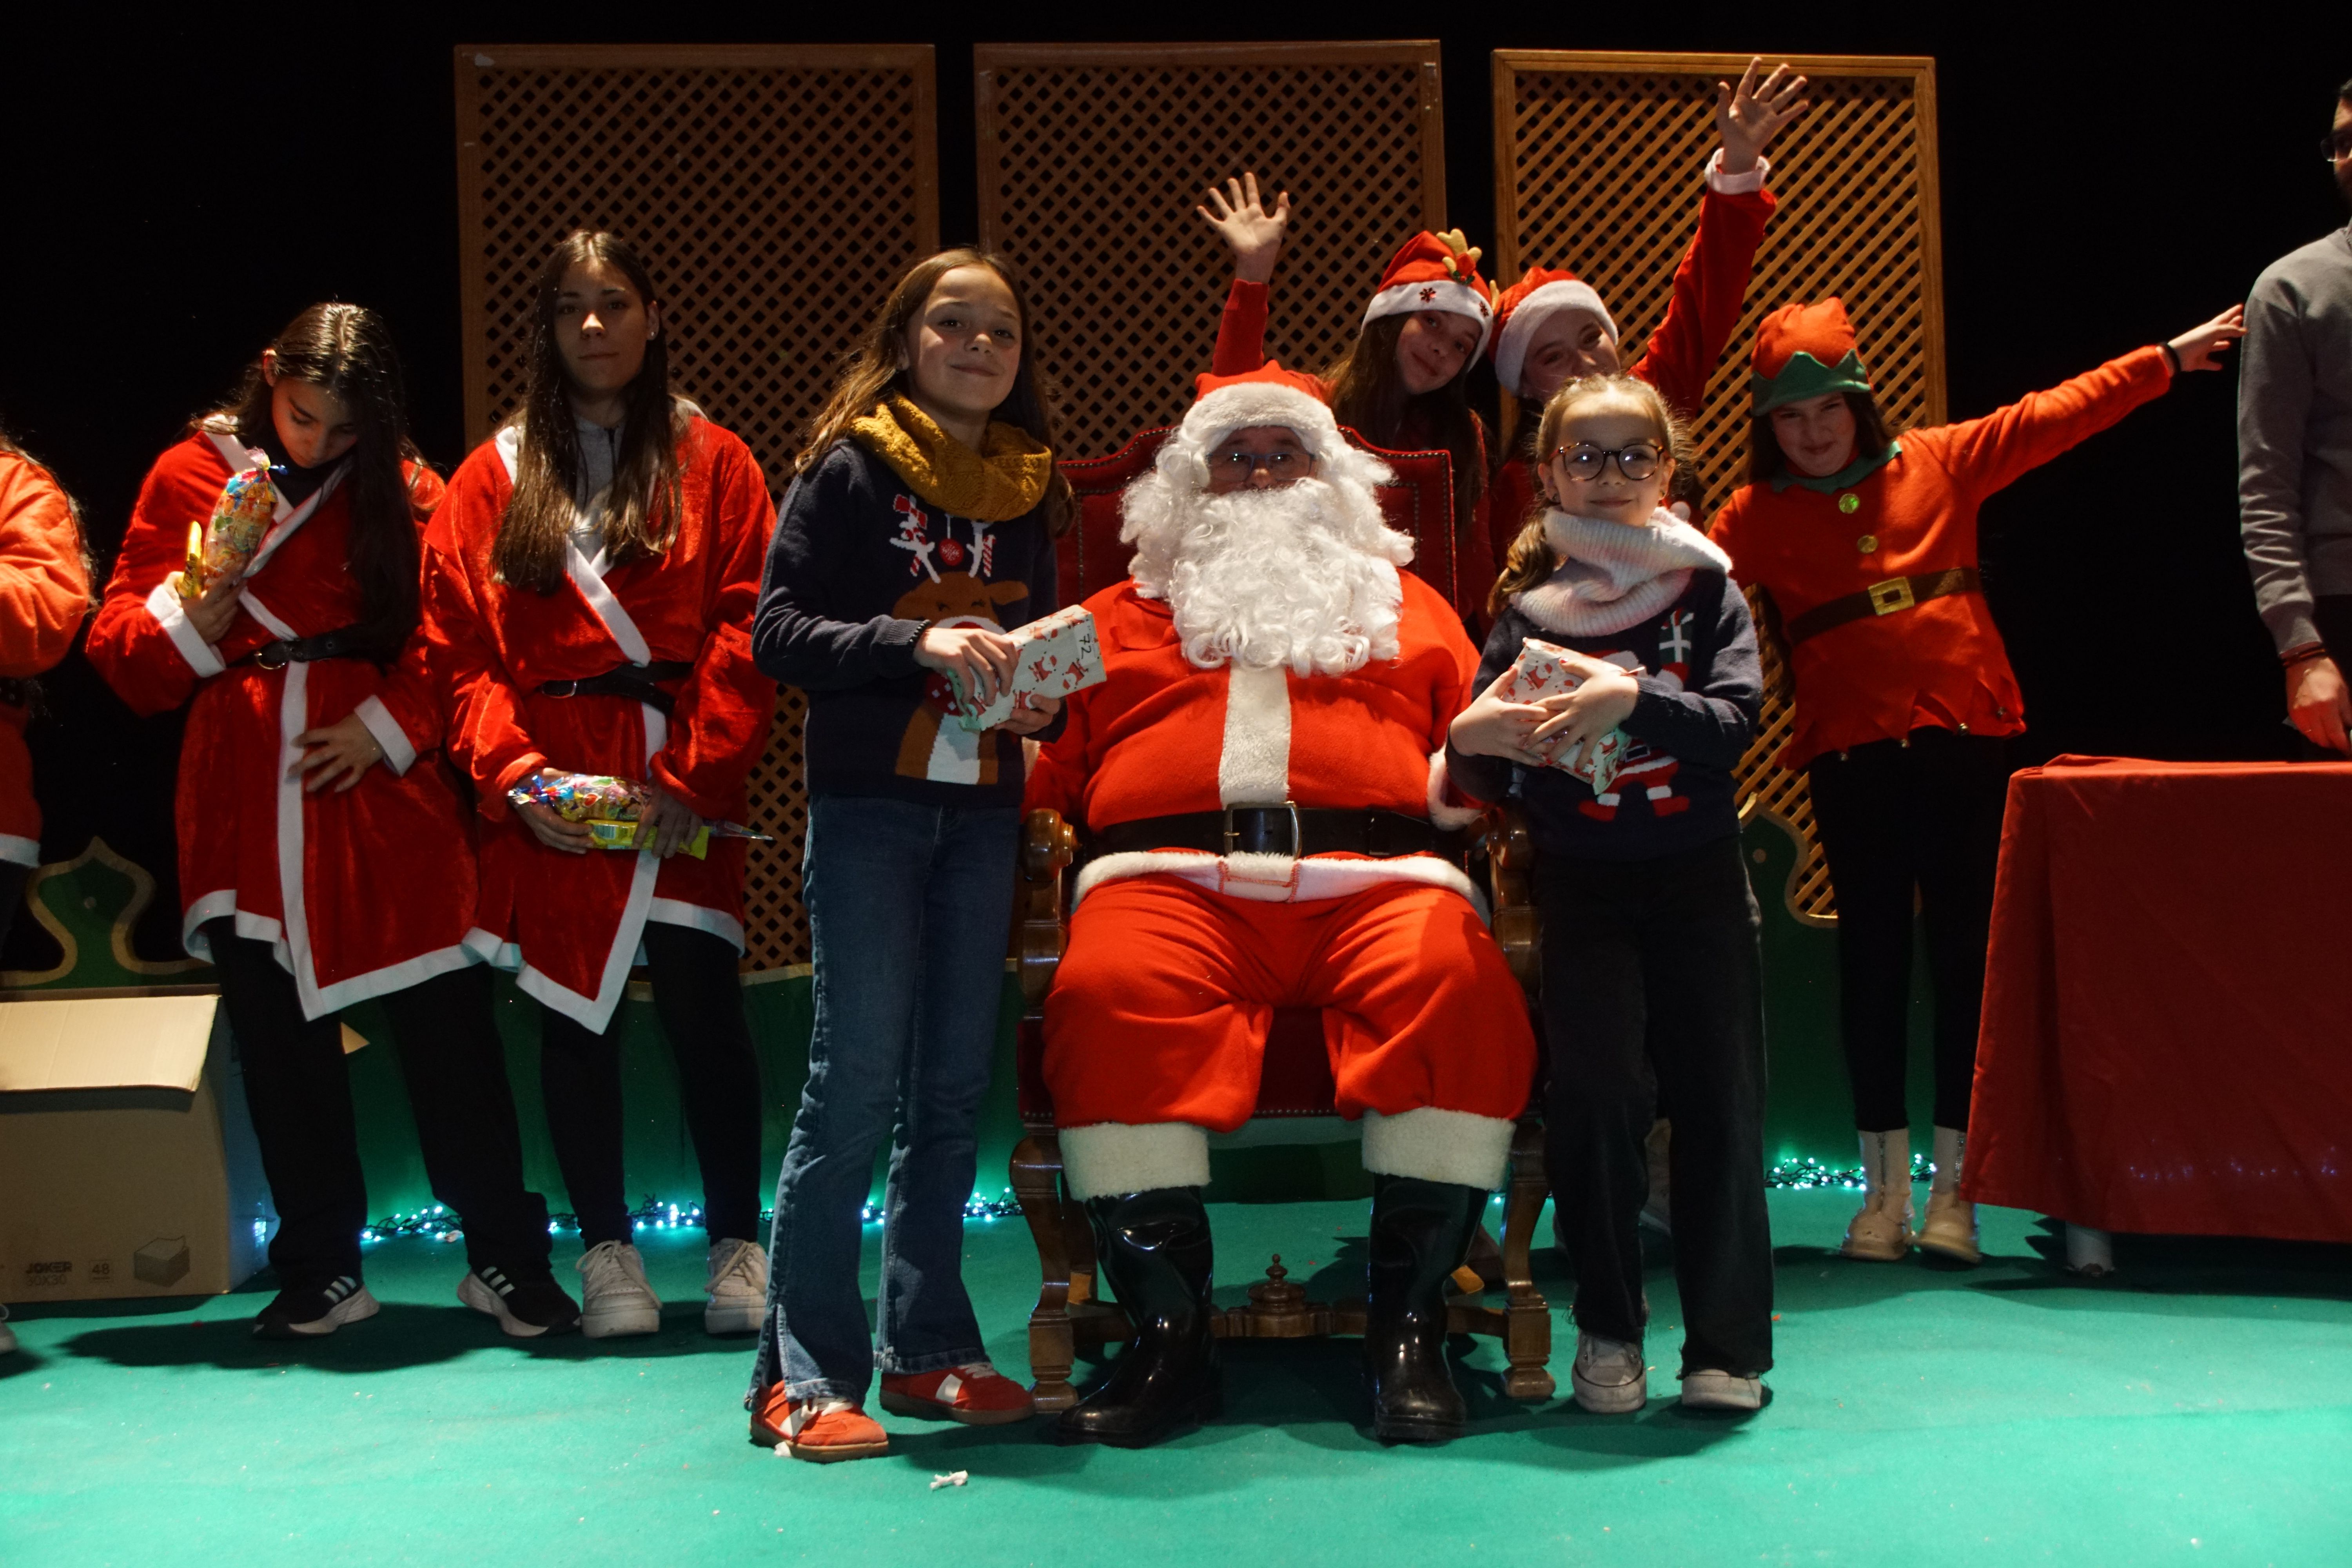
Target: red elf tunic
1710	292
1940	663
361	891
570	925
44	595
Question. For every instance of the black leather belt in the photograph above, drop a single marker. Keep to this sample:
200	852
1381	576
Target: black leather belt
633	681
343	642
1894	595
20	691
1293	830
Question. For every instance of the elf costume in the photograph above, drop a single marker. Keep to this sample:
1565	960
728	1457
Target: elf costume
1904	694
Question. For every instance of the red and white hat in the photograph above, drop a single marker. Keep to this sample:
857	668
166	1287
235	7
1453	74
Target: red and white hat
1266	395
1436	272
1524	307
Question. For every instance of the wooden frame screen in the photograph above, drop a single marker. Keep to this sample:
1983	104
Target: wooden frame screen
1597	168
777	190
1093	156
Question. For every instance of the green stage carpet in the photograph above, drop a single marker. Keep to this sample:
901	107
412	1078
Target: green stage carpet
2198	1410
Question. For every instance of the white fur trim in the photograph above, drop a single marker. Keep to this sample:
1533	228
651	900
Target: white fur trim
211	907
398	755
163	604
1277	878
1530	313
1111	1159
1725	184
17	850
1253	768
1447	816
1434	1145
1450	294
497	954
1244	403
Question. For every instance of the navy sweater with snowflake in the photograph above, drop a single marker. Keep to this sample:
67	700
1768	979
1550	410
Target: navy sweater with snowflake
858	567
1701	687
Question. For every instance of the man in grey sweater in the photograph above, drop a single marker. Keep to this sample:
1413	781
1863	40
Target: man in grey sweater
2294	461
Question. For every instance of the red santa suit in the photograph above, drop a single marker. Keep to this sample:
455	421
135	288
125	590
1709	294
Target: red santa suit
1179	956
569	924
1710	292
361	891
44	595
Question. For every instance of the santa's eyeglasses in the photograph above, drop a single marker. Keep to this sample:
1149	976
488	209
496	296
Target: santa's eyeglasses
1585	461
1281	465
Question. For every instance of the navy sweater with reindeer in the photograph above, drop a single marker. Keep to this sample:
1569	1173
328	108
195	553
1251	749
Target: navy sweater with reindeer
1702	686
858	567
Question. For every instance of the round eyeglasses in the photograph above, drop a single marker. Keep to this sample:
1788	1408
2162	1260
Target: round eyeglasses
1585	461
1281	465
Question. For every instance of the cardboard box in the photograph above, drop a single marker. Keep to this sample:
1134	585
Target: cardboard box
126	1153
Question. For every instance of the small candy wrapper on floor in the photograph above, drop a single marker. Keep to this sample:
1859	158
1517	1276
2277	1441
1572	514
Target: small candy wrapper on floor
953	1479
1053	656
612	809
1538	673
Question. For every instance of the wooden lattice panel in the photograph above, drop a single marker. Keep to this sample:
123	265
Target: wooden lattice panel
1597	168
776	192
1092	158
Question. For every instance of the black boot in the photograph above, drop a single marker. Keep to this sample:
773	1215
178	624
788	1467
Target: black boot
1153	1249
1421	1234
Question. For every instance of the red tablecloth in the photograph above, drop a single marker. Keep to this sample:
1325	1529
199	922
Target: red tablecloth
2168	1019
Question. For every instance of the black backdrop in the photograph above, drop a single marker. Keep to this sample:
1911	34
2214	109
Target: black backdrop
176	191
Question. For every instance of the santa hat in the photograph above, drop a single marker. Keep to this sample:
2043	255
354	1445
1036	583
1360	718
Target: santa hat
1805	351
1436	272
1266	395
1527	305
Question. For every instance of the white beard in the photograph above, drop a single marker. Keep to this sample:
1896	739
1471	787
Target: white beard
1304	576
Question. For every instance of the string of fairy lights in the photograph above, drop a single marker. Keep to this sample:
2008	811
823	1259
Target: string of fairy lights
437	1223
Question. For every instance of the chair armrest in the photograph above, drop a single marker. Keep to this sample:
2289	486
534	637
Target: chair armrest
1510	869
1048	844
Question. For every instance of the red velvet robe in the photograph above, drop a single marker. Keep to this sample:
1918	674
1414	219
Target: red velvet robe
570	925
362	892
44	595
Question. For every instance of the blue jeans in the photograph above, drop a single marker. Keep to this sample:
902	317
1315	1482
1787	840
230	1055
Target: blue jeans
909	907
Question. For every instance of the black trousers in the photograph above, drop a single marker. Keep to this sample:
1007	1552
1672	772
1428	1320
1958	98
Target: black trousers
1654	966
1894	815
699	998
299	1090
13	879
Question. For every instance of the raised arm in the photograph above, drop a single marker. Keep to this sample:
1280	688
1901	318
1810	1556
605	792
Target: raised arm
1253	233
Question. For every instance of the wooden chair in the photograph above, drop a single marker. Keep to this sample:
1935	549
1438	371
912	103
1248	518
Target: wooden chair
1296	1079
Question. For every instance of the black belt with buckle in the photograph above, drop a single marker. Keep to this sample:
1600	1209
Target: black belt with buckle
633	681
343	642
1294	830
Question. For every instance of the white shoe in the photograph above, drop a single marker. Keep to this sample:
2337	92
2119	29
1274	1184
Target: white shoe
615	1298
1610	1378
8	1334
1881	1229
738	1288
1707	1390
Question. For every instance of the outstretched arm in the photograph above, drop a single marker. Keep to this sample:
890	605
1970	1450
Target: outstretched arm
1253	234
1748	116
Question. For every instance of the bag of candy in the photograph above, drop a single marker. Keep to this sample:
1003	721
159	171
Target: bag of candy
612	808
1538	673
221	545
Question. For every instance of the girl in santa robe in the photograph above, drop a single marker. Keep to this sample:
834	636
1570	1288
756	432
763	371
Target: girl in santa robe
43	596
324	859
589	587
1864	546
919	529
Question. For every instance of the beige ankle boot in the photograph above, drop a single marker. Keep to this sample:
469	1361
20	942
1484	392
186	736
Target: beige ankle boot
1881	1231
1951	1228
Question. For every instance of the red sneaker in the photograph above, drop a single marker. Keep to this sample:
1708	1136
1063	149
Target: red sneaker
975	1393
819	1430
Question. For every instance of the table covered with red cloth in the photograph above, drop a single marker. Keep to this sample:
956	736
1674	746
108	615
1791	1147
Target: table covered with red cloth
2167	1008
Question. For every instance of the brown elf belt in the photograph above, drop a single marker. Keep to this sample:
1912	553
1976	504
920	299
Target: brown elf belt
1888	598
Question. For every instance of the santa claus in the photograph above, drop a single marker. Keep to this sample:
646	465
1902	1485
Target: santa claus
1261	789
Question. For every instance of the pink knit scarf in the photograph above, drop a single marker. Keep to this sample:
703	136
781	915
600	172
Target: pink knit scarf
1611	576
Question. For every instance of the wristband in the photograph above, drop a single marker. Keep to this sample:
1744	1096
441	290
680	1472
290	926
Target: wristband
2171	356
2303	653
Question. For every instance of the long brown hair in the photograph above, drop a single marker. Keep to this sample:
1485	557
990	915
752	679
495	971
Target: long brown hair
1530	561
1766	462
1367	396
877	366
346	351
642	513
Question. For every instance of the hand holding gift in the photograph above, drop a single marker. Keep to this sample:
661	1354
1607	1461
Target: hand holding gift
618	813
1545	670
1052	657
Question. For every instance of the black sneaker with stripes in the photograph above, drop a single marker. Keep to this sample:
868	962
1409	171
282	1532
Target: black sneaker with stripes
307	1311
527	1302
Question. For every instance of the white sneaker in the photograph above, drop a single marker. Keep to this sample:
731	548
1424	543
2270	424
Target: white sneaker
1610	1378
8	1334
738	1288
615	1298
1709	1390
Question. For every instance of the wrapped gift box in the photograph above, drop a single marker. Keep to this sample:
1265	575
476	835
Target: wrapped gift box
1054	656
1538	673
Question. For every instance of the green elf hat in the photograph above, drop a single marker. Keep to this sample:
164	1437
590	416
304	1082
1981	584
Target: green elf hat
1803	351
